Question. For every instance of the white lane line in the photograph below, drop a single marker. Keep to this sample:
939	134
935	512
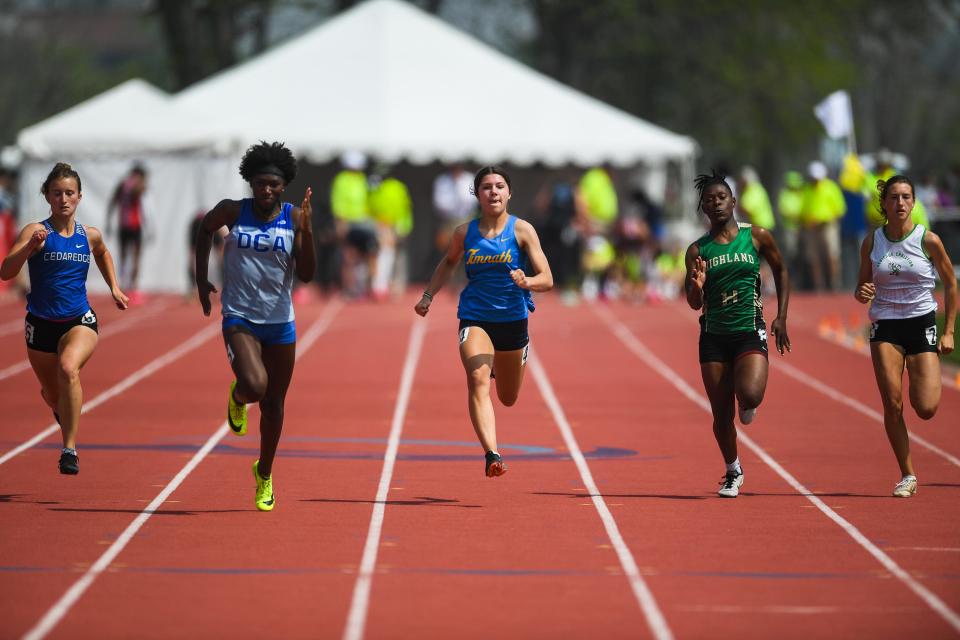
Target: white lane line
856	405
56	613
655	618
147	370
360	604
112	329
643	353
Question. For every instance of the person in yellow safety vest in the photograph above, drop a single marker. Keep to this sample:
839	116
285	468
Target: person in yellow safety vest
790	206
392	209
599	197
356	231
885	171
753	205
823	206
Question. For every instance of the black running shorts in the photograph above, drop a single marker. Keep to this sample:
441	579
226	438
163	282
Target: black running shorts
44	335
729	348
914	335
505	336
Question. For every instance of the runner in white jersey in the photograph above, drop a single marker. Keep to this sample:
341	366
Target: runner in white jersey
269	240
898	262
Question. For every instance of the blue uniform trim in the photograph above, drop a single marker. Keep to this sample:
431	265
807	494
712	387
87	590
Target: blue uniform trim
58	275
490	294
267	334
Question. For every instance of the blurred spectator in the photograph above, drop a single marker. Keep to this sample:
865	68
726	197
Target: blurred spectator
753	205
453	202
356	231
8	220
823	206
598	197
392	210
790	206
127	201
561	234
853	225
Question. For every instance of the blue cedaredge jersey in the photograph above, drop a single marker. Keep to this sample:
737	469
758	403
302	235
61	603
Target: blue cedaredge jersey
58	275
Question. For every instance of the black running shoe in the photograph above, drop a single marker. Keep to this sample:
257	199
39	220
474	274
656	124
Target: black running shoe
69	463
495	465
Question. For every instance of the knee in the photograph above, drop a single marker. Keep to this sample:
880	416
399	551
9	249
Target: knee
893	405
478	380
508	400
750	398
68	372
272	408
926	412
252	386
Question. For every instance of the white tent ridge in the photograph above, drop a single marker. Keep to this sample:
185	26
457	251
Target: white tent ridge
394	82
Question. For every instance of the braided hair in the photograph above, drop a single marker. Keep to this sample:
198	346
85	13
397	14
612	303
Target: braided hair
704	180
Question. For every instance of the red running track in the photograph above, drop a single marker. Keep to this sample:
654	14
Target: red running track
813	547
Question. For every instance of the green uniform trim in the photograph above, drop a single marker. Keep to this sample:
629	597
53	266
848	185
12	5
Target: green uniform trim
732	301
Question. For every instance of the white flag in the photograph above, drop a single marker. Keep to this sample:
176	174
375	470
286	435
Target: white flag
835	114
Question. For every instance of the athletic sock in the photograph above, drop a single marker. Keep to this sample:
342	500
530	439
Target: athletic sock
734	467
909	476
72	452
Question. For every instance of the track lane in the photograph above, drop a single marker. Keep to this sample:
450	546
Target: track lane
845	471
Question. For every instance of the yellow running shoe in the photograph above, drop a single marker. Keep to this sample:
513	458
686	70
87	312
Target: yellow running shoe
265	498
236	413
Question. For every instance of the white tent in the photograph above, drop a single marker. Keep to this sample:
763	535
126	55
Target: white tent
102	138
388	79
385	78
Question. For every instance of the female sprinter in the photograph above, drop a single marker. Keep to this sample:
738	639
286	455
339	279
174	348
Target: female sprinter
268	239
723	279
897	264
496	248
61	328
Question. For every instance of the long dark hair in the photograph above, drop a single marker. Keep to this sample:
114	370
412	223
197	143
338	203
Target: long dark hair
61	170
486	171
883	186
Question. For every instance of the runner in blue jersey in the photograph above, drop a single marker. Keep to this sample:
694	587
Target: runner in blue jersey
498	251
269	240
61	328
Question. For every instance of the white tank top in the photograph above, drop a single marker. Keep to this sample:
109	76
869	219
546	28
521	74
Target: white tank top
258	267
904	277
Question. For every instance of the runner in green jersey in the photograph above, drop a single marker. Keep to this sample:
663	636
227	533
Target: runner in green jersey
723	279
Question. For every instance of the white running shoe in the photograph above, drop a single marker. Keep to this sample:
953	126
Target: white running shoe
906	487
730	485
746	415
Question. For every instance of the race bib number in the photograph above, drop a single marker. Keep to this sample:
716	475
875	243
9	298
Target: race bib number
931	333
89	317
28	331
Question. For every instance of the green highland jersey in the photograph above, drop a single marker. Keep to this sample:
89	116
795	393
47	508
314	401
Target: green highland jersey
732	302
